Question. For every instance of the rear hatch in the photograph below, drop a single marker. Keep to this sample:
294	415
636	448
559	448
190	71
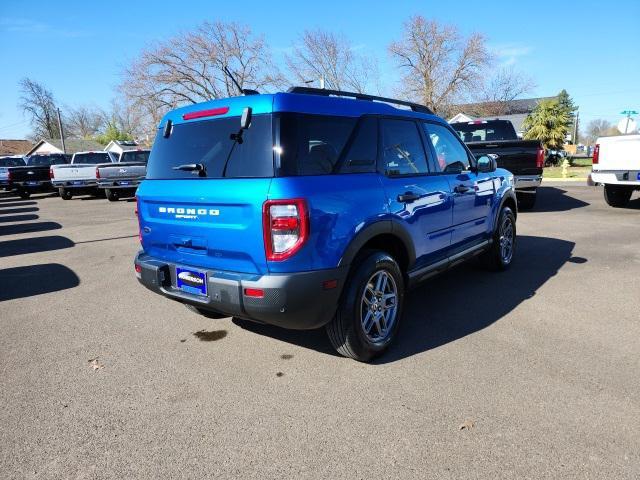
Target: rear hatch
193	210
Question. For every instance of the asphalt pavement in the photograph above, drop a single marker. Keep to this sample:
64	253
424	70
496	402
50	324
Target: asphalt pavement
530	373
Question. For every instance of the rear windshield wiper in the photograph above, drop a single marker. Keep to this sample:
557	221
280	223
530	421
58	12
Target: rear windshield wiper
193	167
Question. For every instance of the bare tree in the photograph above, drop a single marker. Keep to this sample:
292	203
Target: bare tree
83	121
190	67
497	93
598	128
323	54
439	65
38	102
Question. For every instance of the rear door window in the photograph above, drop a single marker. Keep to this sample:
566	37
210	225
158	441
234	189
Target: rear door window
312	144
209	144
362	151
402	149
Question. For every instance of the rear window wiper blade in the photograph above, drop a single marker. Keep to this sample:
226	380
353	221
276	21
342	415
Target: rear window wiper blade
192	167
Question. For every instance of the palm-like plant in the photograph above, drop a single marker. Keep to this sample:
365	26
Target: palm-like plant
547	123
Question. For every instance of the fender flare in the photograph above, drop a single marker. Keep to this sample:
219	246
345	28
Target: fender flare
389	227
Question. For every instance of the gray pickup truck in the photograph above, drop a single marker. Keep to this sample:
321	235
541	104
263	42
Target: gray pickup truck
121	179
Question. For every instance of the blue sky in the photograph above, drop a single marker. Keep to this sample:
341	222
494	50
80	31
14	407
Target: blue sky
78	48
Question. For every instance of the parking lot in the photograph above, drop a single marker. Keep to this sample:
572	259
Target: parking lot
103	379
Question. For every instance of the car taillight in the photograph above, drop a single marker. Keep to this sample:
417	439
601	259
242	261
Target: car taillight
285	227
540	158
51	175
138	217
596	154
97	172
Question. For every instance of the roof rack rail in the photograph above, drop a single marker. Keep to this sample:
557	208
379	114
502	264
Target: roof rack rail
416	107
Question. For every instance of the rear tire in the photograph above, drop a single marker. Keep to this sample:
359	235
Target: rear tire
502	250
370	308
204	312
24	194
112	195
526	201
617	196
65	194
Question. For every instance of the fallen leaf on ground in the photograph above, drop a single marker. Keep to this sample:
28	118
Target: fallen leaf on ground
467	425
95	364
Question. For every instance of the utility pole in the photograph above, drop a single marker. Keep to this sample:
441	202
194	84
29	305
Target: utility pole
322	83
628	113
64	148
575	128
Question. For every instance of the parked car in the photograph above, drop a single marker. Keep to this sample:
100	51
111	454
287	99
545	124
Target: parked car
616	165
79	177
34	177
523	158
122	178
307	209
6	163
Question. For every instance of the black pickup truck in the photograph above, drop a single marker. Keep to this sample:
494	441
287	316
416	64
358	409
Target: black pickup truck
35	176
523	158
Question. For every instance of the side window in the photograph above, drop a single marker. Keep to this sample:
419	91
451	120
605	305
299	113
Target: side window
402	150
363	151
451	156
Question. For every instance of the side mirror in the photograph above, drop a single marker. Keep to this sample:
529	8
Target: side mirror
487	163
245	119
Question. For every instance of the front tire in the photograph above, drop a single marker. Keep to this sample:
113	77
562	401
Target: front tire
112	195
502	250
617	196
65	194
24	194
370	308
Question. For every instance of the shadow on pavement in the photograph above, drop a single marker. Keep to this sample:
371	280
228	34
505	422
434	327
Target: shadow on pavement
28	228
34	245
10	211
455	304
554	199
18	218
634	204
16	203
21	282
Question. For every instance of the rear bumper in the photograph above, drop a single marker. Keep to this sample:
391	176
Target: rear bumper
33	184
131	183
75	183
295	300
522	182
616	177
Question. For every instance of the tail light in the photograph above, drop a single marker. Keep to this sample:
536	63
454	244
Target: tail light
138	217
97	173
285	227
51	175
596	154
540	158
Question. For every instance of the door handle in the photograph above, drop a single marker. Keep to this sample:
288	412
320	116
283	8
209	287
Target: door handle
408	197
461	188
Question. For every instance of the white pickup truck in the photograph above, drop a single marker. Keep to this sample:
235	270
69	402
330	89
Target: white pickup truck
79	176
616	165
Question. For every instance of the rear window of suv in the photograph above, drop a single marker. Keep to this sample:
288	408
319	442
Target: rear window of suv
209	143
135	156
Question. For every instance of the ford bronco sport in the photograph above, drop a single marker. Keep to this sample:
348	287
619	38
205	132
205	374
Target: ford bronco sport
315	208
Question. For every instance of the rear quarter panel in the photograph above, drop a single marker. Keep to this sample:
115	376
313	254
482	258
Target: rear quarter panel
339	206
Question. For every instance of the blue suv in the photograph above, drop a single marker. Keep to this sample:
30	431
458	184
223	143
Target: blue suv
315	208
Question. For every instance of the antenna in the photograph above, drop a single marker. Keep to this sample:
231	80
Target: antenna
244	91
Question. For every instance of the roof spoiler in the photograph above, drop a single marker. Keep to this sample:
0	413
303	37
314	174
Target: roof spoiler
416	107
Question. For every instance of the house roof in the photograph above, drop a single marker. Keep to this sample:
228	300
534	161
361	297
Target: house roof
72	145
14	147
518	106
